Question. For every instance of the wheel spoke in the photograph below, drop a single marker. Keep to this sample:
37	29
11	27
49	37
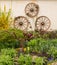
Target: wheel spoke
24	22
31	12
43	22
41	19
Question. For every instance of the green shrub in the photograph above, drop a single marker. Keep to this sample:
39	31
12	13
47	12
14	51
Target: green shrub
43	45
10	38
33	45
39	45
11	52
45	35
28	60
25	60
39	61
21	60
6	60
54	42
53	52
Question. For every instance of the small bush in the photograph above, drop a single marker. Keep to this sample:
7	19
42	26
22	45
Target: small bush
11	52
53	52
10	38
25	60
39	61
33	45
6	60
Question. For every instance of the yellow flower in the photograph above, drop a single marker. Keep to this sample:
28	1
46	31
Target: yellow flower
24	49
49	64
5	19
6	26
28	48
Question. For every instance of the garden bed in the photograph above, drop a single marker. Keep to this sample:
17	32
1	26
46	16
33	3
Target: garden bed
19	48
25	47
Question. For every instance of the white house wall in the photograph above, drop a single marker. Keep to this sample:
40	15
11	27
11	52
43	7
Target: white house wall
46	8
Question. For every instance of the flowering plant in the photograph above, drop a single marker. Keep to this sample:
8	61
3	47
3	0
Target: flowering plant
5	18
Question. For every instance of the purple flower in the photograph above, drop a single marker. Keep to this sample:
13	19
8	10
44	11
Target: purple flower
50	58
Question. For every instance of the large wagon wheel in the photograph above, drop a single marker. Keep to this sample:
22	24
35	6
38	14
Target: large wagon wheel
21	22
32	9
42	23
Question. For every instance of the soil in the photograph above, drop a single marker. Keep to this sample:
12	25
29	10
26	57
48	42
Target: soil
43	54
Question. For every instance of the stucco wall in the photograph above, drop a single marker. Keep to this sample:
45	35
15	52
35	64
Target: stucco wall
47	8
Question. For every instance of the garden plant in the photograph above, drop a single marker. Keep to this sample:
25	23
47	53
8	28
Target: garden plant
19	47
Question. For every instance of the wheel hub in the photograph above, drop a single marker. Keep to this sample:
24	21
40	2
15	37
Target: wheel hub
31	10
42	23
20	23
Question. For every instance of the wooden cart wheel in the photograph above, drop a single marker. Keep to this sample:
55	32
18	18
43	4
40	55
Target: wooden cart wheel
32	9
21	23
42	23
